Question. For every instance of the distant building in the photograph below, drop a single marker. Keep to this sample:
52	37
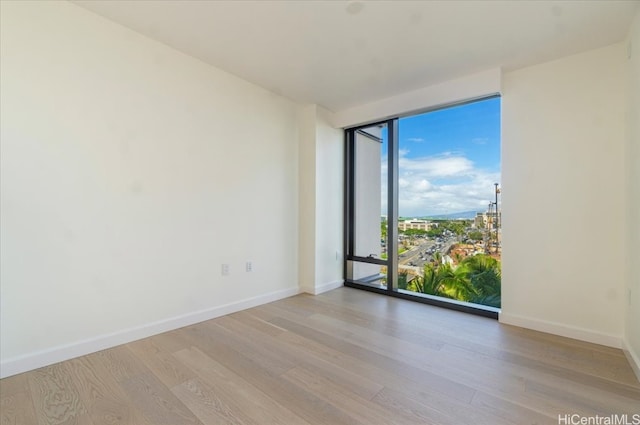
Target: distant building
486	220
415	224
480	220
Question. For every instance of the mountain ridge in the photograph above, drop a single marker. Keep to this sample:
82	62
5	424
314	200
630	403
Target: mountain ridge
461	215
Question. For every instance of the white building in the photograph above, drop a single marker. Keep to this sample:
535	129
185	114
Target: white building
415	224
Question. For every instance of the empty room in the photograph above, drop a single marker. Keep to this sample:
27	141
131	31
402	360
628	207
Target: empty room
319	212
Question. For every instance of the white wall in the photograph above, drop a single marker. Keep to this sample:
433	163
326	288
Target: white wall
307	198
564	196
329	203
130	173
632	334
321	174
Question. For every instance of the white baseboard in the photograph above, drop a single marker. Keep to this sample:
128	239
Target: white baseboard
307	289
328	286
31	361
633	357
562	330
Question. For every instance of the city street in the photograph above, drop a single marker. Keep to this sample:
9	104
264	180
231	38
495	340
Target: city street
420	254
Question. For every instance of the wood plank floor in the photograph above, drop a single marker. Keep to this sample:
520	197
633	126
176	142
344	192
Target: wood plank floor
343	357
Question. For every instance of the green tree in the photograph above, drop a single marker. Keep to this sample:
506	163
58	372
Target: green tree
436	231
383	230
485	275
402	280
457	227
430	282
415	232
456	283
475	235
476	279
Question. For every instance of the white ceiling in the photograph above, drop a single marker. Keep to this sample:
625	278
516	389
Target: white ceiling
340	54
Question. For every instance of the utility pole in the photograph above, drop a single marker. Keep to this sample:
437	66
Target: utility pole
497	219
487	243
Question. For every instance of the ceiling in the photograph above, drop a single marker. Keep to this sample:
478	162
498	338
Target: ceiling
341	54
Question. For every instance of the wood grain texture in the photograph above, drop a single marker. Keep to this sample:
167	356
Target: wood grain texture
105	400
156	401
161	363
16	406
229	395
56	399
343	357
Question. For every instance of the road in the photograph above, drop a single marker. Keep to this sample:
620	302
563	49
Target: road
417	256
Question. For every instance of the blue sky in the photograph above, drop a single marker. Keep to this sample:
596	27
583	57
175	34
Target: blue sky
449	159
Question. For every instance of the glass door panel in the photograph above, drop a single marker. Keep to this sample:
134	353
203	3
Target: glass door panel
370	192
368	250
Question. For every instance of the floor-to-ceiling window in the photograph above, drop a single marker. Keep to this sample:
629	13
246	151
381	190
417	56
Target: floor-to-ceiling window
422	213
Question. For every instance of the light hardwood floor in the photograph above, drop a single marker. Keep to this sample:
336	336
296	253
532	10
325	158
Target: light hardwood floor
343	357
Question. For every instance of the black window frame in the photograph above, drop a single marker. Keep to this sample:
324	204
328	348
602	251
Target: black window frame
392	220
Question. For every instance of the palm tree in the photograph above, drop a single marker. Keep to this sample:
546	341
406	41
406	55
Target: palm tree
430	282
402	280
476	279
485	276
456	283
488	300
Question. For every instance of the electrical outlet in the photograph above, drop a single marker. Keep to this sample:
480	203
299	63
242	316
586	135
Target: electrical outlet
225	270
249	266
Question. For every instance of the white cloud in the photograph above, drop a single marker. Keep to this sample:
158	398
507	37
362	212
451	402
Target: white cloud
480	140
415	139
436	167
442	184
